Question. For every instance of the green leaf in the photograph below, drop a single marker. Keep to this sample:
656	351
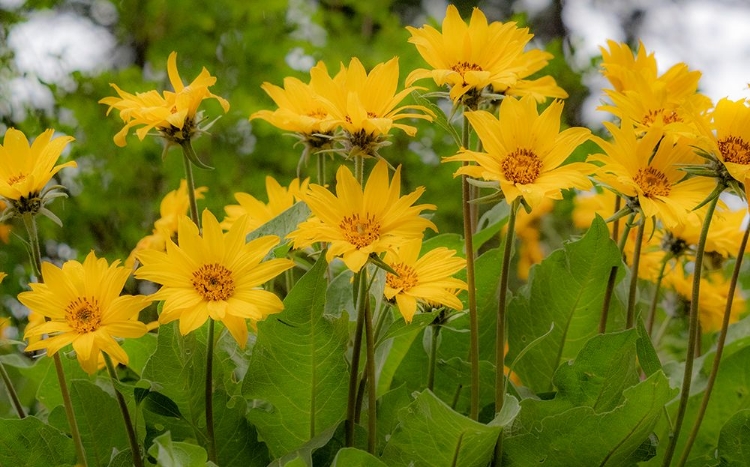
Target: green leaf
122	459
647	357
283	224
347	457
304	453
566	289
139	351
160	404
99	422
450	241
237	442
177	454
431	434
580	436
297	372
339	295
490	224
31	443
734	440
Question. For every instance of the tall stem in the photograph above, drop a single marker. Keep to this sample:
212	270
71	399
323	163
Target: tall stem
719	351
187	149
12	392
470	282
132	438
359	169
613	272
372	434
360	290
657	292
321	165
636	261
435	330
687	376
210	392
36	263
501	305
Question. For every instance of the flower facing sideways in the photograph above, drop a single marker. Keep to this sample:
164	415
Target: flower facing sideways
359	222
216	275
85	308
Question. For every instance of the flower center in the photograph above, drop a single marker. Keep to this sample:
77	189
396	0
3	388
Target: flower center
213	282
521	166
16	179
653	182
463	67
83	314
735	149
318	114
406	279
359	232
666	116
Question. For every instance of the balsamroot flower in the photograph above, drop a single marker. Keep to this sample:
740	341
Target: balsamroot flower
525	151
215	275
85	308
174	114
357	222
728	138
427	279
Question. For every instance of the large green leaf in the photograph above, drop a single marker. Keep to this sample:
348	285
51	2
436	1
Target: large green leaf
140	350
734	440
283	224
177	454
237	442
31	443
348	457
298	375
431	434
566	289
100	422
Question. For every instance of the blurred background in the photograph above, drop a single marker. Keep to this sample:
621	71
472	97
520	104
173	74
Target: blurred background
57	58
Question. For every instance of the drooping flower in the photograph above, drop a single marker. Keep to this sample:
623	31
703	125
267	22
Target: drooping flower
470	58
647	170
215	275
25	169
359	222
85	308
525	151
426	279
255	212
174	114
174	205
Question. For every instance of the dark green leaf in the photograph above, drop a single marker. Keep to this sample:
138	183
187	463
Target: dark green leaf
31	443
177	454
734	440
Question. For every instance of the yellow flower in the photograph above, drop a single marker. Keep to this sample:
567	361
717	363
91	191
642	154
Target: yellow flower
525	151
215	275
35	319
728	138
85	308
4	228
256	212
469	58
174	205
529	233
366	106
426	279
358	223
173	114
25	169
713	298
587	204
648	171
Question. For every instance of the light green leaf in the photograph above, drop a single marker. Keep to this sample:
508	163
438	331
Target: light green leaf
237	442
283	224
31	443
177	454
734	440
431	434
349	457
139	351
297	372
339	295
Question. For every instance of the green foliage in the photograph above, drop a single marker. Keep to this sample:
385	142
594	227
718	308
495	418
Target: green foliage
734	440
33	443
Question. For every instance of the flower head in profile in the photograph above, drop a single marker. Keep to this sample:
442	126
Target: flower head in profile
174	205
470	58
525	151
25	170
647	170
255	212
85	308
174	113
426	279
215	275
357	222
366	106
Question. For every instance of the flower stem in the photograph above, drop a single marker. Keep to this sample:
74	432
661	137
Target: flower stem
372	434
36	263
132	438
719	351
209	393
636	261
435	329
12	392
321	163
657	292
692	335
359	169
613	272
360	290
501	306
187	149
470	281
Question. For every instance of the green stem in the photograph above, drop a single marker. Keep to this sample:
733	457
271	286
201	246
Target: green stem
359	292
372	417
12	392
501	306
719	350
470	282
36	263
636	261
359	169
210	392
613	272
435	330
321	164
132	438
187	149
692	335
657	292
